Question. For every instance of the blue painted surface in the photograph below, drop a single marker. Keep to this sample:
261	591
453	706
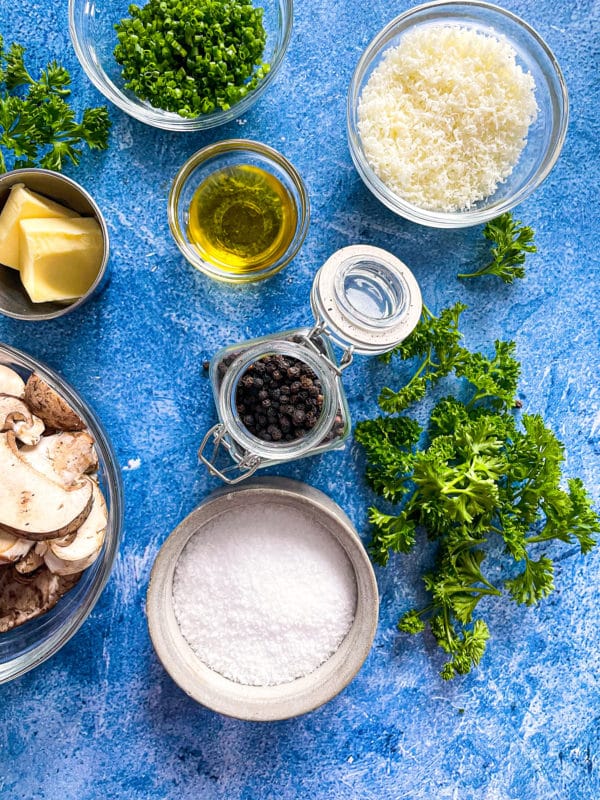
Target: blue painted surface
102	718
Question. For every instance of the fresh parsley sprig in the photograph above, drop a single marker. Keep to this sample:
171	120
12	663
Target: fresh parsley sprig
512	241
38	126
479	475
436	343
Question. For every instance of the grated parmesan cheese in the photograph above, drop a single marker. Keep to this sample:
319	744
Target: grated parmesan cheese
444	117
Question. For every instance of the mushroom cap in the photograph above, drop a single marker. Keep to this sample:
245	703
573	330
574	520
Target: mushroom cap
80	551
63	457
30	562
23	598
13	548
49	406
11	382
34	506
16	416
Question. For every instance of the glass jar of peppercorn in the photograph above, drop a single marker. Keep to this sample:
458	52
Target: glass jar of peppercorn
281	397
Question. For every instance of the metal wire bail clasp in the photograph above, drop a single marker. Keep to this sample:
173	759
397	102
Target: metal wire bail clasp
311	338
247	465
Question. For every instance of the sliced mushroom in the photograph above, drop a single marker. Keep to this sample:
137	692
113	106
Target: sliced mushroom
15	416
34	506
49	406
29	563
12	548
63	456
11	382
77	555
63	541
24	598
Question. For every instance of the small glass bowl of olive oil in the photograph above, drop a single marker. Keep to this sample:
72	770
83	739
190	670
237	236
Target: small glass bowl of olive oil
238	211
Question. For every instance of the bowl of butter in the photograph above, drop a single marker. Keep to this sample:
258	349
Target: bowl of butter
54	245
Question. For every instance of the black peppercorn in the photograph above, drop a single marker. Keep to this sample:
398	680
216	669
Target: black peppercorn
298	416
283	404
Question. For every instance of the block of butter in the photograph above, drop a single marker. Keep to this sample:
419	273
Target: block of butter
60	258
22	203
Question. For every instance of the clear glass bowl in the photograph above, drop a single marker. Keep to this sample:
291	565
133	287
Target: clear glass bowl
235	152
28	645
546	134
91	24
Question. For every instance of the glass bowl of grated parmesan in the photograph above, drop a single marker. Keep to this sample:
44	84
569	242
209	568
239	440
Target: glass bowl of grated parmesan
457	111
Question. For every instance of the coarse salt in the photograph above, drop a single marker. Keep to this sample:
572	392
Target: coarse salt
265	595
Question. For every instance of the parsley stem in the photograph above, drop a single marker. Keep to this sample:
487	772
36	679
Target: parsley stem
488	589
427	362
540	538
483	271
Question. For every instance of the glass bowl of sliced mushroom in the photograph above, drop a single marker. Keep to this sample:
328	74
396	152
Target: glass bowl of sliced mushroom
60	512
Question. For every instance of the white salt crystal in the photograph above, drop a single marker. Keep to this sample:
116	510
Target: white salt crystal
265	595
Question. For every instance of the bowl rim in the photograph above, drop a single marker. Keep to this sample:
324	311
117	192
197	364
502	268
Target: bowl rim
166	120
42	651
214	151
20	175
261	703
411	212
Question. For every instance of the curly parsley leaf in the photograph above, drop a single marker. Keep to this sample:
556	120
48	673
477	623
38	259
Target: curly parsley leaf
38	126
494	378
512	241
466	648
436	342
534	583
388	443
476	474
390	534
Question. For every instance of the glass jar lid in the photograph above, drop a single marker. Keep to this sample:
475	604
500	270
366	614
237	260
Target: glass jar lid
366	298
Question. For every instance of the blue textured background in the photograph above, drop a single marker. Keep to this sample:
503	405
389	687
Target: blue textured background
101	718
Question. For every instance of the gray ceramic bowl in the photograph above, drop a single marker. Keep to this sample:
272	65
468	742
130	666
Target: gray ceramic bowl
14	300
262	703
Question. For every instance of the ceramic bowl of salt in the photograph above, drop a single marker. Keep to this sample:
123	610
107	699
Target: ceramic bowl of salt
262	603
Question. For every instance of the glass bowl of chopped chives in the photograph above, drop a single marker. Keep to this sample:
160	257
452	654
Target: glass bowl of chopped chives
181	65
238	211
457	111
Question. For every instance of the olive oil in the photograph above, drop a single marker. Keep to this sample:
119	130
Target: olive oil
242	219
